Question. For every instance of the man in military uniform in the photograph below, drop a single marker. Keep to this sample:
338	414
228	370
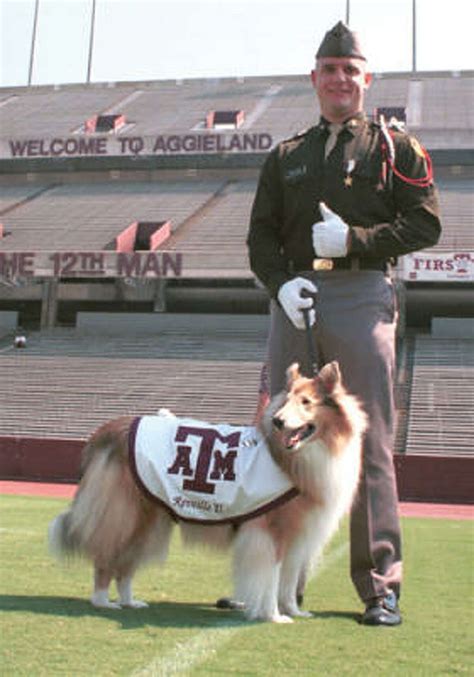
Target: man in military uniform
335	205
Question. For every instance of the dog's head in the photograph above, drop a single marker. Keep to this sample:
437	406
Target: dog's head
310	408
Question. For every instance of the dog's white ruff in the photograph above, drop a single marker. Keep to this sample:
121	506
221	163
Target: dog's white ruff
259	483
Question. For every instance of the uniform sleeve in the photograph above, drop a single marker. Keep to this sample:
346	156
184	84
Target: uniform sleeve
264	240
417	219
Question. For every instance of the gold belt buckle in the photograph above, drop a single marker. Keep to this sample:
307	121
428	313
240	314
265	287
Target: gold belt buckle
323	264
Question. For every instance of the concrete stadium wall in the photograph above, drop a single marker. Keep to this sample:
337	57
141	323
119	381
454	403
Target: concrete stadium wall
420	478
48	460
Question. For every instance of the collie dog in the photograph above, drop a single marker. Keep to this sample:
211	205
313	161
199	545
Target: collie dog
312	433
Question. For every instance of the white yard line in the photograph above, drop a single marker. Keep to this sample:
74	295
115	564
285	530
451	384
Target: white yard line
187	655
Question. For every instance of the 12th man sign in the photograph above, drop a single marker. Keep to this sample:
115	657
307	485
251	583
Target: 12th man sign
420	267
91	264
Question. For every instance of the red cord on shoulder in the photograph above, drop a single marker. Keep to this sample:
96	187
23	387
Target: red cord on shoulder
422	182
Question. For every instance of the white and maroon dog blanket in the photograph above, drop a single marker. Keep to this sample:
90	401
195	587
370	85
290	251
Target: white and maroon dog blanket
203	472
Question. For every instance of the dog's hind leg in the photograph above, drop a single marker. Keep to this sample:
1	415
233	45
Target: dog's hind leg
100	595
256	574
150	542
124	589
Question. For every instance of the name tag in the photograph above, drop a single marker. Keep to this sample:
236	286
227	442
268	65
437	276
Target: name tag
295	174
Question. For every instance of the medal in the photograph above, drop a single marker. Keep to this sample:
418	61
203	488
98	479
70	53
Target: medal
349	169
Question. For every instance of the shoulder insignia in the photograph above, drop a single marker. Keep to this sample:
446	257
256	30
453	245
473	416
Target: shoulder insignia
296	136
301	133
396	124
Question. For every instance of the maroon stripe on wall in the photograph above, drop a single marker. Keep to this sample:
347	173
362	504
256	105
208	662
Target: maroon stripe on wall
420	478
48	460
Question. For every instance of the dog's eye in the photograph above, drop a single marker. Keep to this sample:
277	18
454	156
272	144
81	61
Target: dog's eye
306	402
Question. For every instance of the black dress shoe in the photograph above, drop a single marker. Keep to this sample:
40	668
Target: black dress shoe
382	611
228	603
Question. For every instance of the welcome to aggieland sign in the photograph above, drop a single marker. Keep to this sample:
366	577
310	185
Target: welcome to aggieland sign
110	146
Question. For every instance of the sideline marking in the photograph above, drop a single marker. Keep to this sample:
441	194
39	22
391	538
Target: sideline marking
187	655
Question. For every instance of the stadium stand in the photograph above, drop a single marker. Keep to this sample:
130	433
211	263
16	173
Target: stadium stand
88	216
204	366
221	228
69	380
61	111
12	196
442	392
457	209
444	103
449	104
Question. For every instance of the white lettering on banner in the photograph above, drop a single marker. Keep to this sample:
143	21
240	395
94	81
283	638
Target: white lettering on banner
173	144
438	267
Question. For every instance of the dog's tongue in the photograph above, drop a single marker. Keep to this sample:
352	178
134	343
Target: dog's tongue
292	438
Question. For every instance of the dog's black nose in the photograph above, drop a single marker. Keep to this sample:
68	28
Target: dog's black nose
277	422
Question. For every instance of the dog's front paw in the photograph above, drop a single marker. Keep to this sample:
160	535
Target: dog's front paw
267	615
299	613
288	607
281	618
101	603
134	604
294	611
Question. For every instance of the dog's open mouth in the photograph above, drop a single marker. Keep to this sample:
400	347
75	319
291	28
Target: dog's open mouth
293	438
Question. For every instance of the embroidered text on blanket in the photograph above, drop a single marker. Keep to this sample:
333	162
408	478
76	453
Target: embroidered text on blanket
223	462
206	472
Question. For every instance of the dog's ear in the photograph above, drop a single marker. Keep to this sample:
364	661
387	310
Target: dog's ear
292	373
329	378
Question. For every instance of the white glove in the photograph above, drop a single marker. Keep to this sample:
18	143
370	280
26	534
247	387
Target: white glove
330	235
293	303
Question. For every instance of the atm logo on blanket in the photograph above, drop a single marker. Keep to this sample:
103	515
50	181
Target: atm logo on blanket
215	461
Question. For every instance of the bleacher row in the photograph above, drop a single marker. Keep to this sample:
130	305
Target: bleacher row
441	414
70	381
88	216
281	106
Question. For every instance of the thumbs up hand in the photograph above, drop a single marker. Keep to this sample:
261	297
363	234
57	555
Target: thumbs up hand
330	236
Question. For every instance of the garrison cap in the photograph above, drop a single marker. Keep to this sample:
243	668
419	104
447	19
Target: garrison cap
340	41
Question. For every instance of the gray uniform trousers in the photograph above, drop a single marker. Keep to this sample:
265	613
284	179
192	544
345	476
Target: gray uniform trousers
355	325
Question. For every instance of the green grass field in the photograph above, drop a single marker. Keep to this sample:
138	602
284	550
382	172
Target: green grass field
49	628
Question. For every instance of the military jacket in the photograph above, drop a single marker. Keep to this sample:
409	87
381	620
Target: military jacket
387	216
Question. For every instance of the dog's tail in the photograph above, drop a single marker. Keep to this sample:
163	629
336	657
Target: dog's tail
74	532
60	537
105	510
